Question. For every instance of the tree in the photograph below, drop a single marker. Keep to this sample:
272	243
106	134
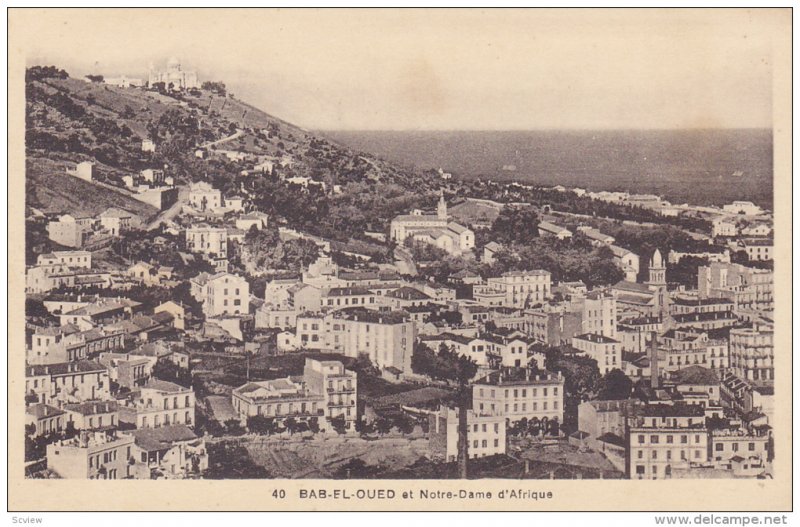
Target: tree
95	78
234	427
615	385
383	425
339	424
291	424
516	224
404	423
261	425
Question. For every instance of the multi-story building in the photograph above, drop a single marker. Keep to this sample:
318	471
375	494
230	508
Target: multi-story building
203	196
174	452
517	394
127	370
116	221
95	455
684	306
727	444
684	348
68	232
104	312
746	287
67	382
523	289
752	354
226	294
337	385
45	419
759	249
627	261
605	350
92	415
67	343
665	438
554	325
209	241
280	399
386	338
598	418
723	227
486	433
340	297
160	403
406	296
45	278
81	259
600	314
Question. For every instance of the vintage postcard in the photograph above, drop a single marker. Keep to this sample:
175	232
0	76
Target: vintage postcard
400	259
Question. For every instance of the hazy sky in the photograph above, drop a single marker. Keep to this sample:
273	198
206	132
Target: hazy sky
445	69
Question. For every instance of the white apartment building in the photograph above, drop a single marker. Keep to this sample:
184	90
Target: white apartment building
523	288
723	227
160	403
338	386
486	434
752	354
517	394
605	350
226	294
80	259
204	197
665	438
211	241
600	314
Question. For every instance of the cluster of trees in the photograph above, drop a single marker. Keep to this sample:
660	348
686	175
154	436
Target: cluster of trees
214	87
516	225
383	424
534	427
38	73
263	249
262	425
685	271
446	364
36	446
566	261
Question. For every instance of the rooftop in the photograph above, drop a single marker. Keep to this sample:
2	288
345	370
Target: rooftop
62	368
164	386
593	337
162	438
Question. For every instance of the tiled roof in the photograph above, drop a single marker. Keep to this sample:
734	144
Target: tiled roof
162	438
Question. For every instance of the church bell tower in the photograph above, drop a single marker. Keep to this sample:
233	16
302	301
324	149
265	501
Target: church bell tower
441	208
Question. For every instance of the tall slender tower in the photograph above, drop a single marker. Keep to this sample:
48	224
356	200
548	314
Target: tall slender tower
657	280
441	208
658	271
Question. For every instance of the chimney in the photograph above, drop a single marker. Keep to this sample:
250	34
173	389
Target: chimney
654	380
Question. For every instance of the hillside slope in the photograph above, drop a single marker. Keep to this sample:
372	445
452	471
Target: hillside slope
70	120
50	188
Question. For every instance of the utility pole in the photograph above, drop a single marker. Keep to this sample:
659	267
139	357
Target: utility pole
463	444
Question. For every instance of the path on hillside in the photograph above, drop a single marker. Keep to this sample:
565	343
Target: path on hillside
223	140
170	213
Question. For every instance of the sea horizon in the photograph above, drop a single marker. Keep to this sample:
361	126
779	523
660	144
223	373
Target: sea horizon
699	166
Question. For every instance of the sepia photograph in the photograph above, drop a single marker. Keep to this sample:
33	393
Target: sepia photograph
410	259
